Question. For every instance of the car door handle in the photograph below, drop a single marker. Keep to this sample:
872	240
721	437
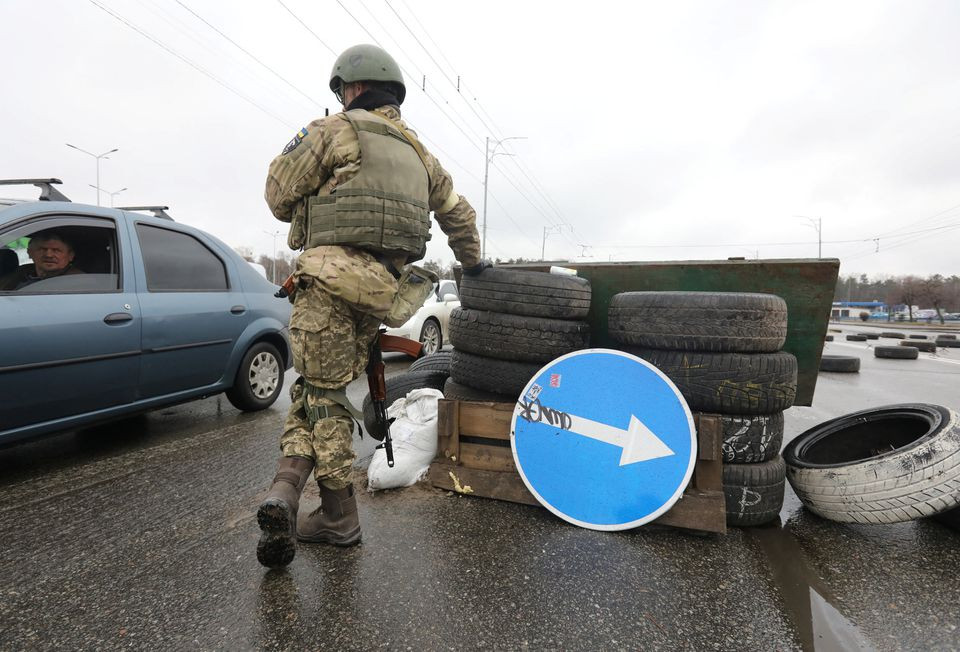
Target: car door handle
117	317
238	310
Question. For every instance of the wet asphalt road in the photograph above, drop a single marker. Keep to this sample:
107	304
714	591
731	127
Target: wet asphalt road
141	535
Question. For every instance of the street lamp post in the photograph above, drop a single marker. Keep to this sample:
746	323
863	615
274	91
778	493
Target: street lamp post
112	194
817	224
489	154
97	157
273	272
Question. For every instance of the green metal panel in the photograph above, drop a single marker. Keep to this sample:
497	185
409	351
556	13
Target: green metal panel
807	285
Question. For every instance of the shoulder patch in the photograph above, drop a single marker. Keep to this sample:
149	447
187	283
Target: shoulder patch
296	141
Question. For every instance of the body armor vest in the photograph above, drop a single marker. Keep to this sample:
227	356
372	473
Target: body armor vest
383	208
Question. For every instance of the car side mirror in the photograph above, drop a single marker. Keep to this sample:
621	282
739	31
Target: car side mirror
449	296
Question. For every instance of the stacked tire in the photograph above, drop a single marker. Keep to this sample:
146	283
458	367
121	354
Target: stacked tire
722	351
510	323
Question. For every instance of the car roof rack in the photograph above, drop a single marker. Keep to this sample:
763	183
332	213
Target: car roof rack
47	191
158	211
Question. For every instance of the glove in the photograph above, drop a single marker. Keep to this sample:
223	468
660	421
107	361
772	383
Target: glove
477	269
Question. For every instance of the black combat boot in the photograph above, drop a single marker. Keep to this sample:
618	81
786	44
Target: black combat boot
277	514
335	521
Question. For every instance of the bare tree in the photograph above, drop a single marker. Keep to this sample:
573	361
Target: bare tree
932	290
911	289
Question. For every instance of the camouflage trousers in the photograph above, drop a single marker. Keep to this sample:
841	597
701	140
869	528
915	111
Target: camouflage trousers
341	297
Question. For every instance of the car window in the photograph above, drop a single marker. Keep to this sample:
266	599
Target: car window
176	261
448	290
59	255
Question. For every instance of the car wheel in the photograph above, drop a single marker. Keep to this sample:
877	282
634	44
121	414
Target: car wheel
259	379
430	337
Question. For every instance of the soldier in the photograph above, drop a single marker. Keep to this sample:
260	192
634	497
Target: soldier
357	188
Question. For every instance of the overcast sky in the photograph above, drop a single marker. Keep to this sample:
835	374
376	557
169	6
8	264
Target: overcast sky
654	130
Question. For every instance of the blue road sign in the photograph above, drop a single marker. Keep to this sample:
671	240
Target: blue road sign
603	439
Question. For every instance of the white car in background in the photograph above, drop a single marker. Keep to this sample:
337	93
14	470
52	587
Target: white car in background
430	324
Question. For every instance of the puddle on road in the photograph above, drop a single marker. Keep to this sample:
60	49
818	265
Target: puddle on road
810	606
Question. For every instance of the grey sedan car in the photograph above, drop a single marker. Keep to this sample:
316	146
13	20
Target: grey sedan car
108	312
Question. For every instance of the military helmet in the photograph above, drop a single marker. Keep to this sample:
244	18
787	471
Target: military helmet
367	63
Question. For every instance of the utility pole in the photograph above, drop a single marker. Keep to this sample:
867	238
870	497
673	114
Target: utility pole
817	224
97	157
547	230
488	156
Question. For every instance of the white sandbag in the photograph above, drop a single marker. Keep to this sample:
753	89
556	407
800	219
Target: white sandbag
414	434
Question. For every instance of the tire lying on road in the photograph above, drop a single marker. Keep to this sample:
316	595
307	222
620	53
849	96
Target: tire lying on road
397	387
946	337
926	347
751	438
439	361
455	391
699	321
897	352
828	338
491	374
840	363
894	336
531	294
871	336
883	465
947	344
729	383
753	492
856	338
917	336
515	337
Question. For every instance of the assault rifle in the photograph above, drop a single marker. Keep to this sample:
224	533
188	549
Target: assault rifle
286	288
378	386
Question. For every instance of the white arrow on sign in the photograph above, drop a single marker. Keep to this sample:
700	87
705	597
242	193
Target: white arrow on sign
638	442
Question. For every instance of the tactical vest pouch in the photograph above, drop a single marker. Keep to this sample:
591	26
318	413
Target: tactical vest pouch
415	285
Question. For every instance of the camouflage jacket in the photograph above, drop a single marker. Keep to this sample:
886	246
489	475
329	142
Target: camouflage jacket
326	153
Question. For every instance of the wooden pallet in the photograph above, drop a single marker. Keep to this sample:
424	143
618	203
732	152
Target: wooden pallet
474	457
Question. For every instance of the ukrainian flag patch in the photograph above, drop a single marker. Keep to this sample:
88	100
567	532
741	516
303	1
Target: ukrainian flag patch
296	141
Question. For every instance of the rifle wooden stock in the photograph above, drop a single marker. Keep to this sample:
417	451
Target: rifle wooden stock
400	345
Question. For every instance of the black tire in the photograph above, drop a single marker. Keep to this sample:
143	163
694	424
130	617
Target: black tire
455	391
950	518
894	336
729	383
884	465
844	364
439	361
753	492
922	345
513	337
699	321
751	438
431	337
397	387
856	338
946	337
948	344
532	294
828	338
897	352
917	336
490	374
871	336
259	378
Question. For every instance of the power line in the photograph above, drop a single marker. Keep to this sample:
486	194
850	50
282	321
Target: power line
190	63
249	54
297	18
